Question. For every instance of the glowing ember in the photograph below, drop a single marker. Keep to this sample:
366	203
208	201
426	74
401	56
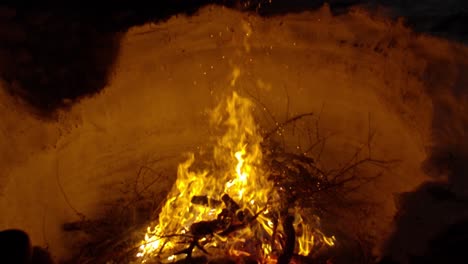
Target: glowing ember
231	208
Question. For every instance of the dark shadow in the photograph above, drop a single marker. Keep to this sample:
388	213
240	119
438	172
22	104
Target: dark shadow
432	221
51	56
41	256
447	19
16	248
449	246
421	223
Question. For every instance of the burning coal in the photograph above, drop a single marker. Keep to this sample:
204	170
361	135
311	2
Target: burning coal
231	206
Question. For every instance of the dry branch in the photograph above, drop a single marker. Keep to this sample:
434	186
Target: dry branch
285	123
113	236
299	179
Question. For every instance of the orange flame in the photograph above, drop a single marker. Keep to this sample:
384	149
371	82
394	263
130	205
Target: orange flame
236	171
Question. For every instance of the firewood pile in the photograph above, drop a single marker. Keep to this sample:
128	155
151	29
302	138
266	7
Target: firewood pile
298	178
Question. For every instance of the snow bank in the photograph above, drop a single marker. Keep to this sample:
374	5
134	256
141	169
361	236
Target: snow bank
351	69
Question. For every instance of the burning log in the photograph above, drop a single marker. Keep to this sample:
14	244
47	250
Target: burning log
231	218
231	205
233	209
200	230
205	228
205	201
250	217
290	244
195	243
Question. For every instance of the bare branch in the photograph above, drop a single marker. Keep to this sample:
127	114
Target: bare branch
285	123
265	108
65	196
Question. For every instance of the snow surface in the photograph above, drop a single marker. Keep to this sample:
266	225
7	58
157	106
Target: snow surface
349	68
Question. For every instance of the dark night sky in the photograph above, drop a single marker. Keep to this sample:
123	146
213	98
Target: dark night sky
55	54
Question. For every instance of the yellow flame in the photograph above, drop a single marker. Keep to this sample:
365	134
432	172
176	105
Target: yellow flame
236	171
306	241
308	236
239	155
235	75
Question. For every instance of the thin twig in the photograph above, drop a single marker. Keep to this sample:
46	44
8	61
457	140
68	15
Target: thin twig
265	108
138	193
65	197
285	123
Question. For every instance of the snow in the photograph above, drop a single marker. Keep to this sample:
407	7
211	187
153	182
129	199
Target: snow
168	75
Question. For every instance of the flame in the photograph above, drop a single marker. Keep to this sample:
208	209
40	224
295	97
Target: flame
236	176
308	235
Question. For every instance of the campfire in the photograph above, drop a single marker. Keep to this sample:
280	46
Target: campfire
246	196
231	207
324	126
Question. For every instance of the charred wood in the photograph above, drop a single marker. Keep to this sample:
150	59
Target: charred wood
205	201
289	246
